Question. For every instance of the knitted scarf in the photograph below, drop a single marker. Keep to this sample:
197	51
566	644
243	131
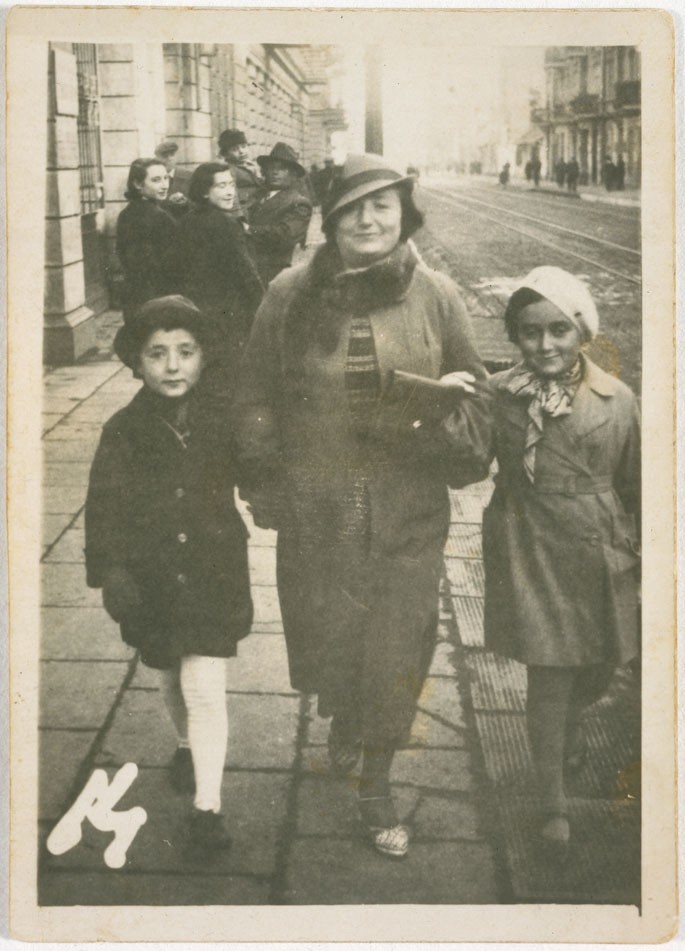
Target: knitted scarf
547	397
331	293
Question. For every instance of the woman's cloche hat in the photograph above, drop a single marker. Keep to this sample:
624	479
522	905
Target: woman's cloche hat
282	153
360	175
175	310
565	291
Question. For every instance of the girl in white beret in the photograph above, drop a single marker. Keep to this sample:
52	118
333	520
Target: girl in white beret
560	535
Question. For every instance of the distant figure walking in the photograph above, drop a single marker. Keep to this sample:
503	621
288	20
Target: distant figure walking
572	174
504	175
620	174
536	168
560	172
609	174
528	170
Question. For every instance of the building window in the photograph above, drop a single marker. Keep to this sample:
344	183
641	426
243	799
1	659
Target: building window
90	158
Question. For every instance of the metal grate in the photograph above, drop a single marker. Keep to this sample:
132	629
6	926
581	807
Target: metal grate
90	158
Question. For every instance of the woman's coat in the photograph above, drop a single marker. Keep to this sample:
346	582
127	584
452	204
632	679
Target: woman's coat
166	513
219	275
147	247
561	554
362	525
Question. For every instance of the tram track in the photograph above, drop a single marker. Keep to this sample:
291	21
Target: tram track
467	203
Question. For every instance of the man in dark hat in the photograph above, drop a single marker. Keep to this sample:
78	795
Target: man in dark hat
176	202
280	215
233	149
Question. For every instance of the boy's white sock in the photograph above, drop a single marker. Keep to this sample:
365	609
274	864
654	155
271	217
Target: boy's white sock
203	684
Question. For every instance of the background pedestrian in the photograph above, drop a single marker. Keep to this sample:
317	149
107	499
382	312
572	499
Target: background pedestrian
219	275
280	215
147	237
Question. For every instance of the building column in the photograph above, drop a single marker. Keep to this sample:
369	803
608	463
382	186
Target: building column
69	324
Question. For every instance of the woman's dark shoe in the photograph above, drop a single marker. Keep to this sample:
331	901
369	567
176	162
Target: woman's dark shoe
554	839
385	833
207	831
343	753
181	772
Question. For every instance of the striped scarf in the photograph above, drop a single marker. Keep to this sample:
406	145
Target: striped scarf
548	397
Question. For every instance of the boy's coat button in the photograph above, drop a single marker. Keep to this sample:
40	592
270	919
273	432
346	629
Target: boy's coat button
182	537
179	493
182	579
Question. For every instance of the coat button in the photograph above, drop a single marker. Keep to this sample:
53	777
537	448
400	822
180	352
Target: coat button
179	493
182	537
182	579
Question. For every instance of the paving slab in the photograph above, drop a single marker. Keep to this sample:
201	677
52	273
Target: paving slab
504	741
65	586
328	871
603	856
468	613
61	753
86	430
464	541
53	524
111	887
497	683
262	565
69	450
60	405
78	695
426	731
254	809
467	507
440	697
327	806
266	606
442	664
271	718
66	473
442	819
70	549
81	634
434	769
48	420
260	667
465	576
58	499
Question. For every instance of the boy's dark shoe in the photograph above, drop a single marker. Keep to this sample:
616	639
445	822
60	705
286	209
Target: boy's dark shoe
182	774
207	832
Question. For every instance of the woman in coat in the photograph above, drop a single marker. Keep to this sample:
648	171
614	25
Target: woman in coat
353	476
560	533
147	237
218	272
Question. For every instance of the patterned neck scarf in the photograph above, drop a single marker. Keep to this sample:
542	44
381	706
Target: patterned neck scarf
548	397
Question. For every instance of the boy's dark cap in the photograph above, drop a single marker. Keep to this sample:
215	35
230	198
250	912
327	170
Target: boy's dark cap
229	138
170	313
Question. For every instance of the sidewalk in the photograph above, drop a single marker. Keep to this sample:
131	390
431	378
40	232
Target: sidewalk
627	198
296	837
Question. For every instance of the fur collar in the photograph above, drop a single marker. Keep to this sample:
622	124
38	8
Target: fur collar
330	293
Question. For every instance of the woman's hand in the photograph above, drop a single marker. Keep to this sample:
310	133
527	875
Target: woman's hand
461	380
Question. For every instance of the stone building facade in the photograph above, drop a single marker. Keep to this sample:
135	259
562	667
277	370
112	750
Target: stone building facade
592	109
109	104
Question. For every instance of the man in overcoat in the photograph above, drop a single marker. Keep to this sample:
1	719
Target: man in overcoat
280	216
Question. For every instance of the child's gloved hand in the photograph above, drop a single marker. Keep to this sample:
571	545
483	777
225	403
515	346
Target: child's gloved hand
120	594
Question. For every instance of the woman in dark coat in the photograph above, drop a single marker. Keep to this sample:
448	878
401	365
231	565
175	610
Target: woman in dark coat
147	237
354	476
166	544
560	535
218	273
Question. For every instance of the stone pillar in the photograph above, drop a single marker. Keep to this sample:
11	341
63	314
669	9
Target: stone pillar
132	123
69	330
187	78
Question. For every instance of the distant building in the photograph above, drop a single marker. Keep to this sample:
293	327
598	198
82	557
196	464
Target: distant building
592	109
109	103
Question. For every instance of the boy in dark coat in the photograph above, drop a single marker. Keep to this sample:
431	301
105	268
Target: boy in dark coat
166	544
